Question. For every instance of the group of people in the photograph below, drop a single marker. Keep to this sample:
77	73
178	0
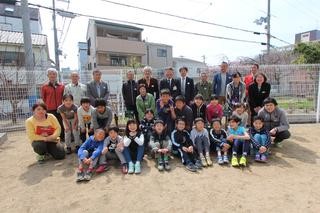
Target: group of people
170	117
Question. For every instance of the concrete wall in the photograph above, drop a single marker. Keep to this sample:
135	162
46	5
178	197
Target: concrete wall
152	59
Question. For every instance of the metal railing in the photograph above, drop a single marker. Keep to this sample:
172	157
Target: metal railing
296	88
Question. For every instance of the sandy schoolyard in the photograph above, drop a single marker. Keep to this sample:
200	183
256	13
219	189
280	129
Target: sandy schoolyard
290	182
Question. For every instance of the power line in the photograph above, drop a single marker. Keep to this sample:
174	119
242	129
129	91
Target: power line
64	22
180	17
192	19
152	26
66	34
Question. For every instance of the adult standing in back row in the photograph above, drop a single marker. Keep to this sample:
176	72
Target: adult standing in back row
204	87
151	84
97	88
220	81
75	88
51	94
130	93
173	85
186	85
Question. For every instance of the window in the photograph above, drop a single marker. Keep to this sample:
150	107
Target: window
119	60
161	52
89	46
12	58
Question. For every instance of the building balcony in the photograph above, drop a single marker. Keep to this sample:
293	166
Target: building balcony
105	44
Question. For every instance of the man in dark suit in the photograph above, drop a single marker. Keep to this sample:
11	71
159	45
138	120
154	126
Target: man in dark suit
97	88
130	93
186	85
150	83
170	83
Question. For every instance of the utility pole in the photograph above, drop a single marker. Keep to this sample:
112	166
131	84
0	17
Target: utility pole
204	58
56	44
29	63
268	27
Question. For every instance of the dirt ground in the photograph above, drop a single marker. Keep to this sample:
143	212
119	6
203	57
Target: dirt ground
290	182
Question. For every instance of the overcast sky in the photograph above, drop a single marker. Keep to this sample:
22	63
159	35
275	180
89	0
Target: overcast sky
288	17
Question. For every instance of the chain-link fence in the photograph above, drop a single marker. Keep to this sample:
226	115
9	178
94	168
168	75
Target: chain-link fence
296	88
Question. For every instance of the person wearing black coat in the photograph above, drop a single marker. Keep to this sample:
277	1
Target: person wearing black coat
258	91
170	83
186	85
150	83
129	94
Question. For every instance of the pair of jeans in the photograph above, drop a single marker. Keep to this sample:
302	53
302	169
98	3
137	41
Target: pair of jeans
112	155
56	150
72	130
133	154
262	139
203	145
87	154
240	146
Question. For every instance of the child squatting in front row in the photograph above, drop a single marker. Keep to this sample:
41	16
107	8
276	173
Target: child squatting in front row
89	153
160	145
181	141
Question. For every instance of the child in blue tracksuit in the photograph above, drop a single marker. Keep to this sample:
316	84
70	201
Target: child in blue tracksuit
260	139
218	137
239	137
146	126
89	153
181	140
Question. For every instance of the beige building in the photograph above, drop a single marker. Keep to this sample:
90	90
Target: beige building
112	46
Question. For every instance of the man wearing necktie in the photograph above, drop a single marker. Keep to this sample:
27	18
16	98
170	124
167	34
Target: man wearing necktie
97	88
186	85
170	83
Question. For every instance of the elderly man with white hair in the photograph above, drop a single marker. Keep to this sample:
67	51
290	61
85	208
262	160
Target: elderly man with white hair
150	83
75	88
51	94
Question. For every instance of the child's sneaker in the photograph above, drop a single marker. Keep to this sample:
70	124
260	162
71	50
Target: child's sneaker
124	169
41	158
198	164
80	176
131	168
101	168
137	167
225	159
167	165
160	164
243	161
191	167
203	161
68	152
209	161
220	160
88	175
234	161
264	158
257	157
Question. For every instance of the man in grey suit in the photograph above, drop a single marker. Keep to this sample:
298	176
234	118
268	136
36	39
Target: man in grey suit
97	88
